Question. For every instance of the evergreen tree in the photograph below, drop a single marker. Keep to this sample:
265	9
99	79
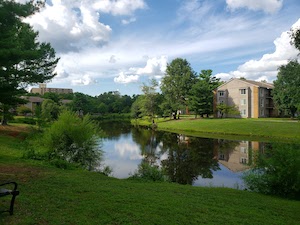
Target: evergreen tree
23	60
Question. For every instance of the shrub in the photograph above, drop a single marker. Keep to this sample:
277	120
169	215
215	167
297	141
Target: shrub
149	172
73	139
276	172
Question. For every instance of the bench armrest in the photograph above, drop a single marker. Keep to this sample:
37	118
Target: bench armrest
14	183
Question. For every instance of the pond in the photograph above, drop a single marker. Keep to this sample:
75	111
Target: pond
186	160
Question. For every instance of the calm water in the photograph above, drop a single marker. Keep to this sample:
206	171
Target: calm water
187	160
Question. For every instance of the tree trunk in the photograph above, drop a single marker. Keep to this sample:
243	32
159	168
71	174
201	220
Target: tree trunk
4	115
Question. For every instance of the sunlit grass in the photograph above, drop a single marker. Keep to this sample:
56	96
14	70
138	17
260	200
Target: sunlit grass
266	129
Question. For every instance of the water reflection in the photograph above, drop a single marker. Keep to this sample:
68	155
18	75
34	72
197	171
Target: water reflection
186	160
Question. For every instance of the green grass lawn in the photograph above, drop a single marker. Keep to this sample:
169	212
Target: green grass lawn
49	195
269	129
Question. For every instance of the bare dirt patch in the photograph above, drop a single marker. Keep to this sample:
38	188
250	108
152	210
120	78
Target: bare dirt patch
14	131
19	172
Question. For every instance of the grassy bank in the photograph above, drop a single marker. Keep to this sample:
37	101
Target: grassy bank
285	130
52	196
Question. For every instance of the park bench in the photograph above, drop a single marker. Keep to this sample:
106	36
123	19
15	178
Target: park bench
9	192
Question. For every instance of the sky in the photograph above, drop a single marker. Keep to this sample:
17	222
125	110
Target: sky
118	45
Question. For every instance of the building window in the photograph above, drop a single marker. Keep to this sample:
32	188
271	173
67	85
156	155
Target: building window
261	92
243	150
243	102
261	102
262	112
221	157
243	112
243	160
243	91
221	93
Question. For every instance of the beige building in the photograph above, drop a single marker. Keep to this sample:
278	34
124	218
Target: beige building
253	99
42	89
33	102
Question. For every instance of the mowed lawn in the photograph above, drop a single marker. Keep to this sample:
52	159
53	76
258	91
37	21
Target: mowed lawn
250	129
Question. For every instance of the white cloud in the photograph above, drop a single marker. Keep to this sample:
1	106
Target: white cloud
269	6
154	67
85	80
131	20
266	67
125	78
120	7
70	25
112	59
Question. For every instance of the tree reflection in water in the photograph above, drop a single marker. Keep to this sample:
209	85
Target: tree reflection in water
183	159
188	158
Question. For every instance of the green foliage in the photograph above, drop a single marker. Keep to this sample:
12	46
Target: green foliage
276	172
53	96
137	107
201	98
226	110
74	140
177	83
286	92
150	104
26	120
149	172
295	36
23	60
23	110
50	110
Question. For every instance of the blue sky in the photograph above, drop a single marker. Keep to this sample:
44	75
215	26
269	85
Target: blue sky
109	45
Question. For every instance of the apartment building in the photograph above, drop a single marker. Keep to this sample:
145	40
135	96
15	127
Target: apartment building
42	89
253	99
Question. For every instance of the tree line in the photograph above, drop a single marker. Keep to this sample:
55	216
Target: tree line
26	61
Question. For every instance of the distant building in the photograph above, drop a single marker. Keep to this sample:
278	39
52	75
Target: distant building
253	99
33	102
42	89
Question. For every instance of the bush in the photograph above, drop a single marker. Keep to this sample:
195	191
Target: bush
148	172
73	139
277	172
26	120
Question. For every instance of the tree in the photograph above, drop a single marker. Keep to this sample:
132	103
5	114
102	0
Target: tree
224	109
149	104
201	99
23	60
295	36
201	96
50	110
177	83
286	93
23	110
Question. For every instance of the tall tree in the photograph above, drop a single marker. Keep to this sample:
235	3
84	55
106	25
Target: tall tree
150	92
286	91
201	96
177	83
23	60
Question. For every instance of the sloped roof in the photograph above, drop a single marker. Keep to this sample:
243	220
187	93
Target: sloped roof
260	84
252	82
33	98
